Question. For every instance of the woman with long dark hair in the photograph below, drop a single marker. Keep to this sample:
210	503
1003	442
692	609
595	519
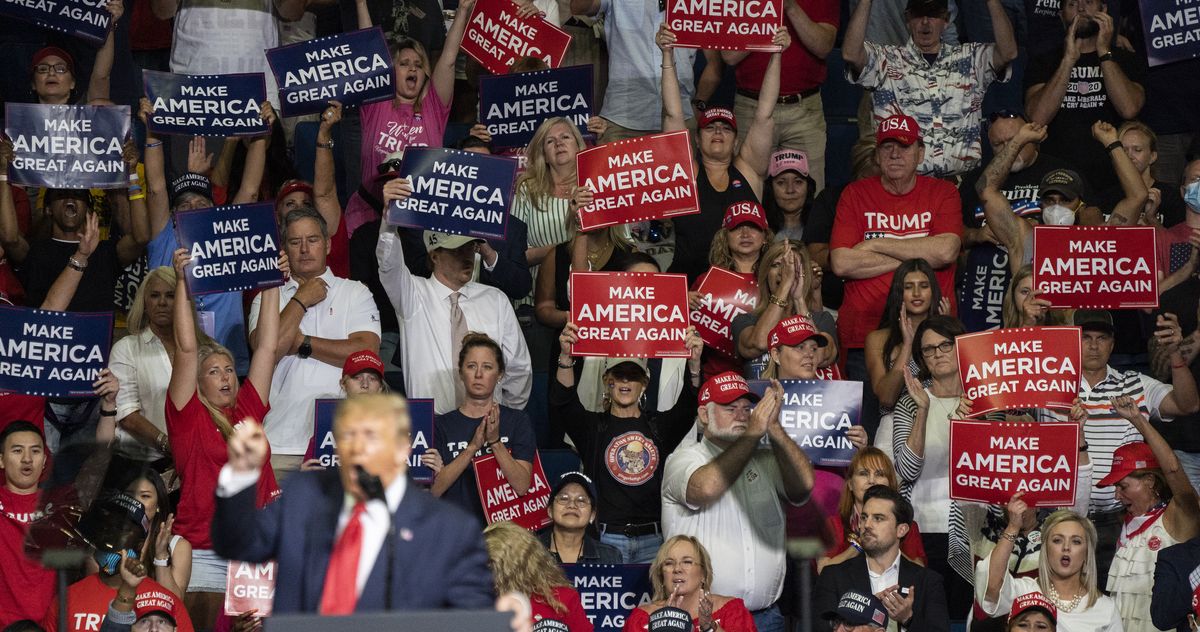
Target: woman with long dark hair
914	295
172	552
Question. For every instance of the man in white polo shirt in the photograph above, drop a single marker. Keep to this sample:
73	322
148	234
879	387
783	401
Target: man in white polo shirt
323	319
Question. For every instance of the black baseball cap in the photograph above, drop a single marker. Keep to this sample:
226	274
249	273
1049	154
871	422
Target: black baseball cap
578	478
927	8
1094	320
190	183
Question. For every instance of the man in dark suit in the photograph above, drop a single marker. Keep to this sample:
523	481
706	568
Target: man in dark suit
1176	586
912	594
329	530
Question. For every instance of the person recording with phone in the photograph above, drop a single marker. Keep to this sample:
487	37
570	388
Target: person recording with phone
349	537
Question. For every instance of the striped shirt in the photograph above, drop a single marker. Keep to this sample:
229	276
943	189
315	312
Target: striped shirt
1106	430
549	223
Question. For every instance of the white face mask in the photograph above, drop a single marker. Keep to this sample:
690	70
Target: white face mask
1058	215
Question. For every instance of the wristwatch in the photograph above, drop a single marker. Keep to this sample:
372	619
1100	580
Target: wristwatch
1106	57
305	349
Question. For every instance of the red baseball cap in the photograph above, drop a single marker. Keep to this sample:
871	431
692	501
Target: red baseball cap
156	602
1127	459
712	115
725	388
793	331
55	51
1033	601
744	212
292	186
900	128
359	361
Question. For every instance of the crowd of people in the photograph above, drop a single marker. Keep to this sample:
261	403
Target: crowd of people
980	119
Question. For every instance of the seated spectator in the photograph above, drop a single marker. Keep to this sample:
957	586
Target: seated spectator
623	447
424	306
172	553
911	594
480	427
789	198
788	285
1088	78
729	173
1171	604
519	563
572	511
682	577
1032	612
1066	576
869	467
942	85
1161	509
156	611
322	320
202	396
27	589
857	612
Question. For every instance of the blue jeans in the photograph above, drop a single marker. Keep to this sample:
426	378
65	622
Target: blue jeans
769	619
639	549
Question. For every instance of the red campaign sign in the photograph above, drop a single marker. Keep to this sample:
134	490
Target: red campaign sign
1096	267
725	24
496	37
249	586
1026	367
501	502
992	460
649	177
723	295
630	314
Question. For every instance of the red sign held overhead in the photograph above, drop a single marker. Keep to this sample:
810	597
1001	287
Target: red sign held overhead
725	24
630	314
501	502
1027	367
496	37
649	177
250	586
1098	267
723	295
993	460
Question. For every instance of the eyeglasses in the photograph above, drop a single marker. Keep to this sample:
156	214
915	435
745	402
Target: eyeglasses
44	69
1004	114
945	347
567	500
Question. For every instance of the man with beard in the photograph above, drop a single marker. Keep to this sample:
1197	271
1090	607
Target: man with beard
1089	79
912	594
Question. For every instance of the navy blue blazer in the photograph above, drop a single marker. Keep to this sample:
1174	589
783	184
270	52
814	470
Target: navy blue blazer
1171	602
440	559
929	603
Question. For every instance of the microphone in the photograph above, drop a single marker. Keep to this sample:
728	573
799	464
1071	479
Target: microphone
372	487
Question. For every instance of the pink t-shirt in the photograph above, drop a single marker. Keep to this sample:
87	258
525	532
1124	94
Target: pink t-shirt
390	126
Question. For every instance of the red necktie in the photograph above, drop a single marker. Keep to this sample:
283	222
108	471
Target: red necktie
341	578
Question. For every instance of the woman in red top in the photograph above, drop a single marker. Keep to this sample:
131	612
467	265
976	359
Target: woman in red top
520	563
203	404
870	466
681	574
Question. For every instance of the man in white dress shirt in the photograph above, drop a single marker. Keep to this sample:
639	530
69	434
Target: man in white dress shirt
435	313
323	319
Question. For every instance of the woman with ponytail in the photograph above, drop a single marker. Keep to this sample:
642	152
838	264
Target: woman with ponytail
204	402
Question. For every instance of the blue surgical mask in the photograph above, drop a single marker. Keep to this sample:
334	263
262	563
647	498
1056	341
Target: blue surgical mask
109	561
1191	196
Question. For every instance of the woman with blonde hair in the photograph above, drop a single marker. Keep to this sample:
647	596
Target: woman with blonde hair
204	395
142	363
520	564
681	574
1066	576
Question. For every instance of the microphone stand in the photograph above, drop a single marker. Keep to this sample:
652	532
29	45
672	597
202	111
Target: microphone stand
373	488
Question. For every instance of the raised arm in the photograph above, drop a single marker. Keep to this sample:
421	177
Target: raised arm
98	83
817	37
164	9
1006	43
853	50
1182	518
185	363
15	246
256	160
158	199
755	153
1129	209
998	559
363	13
1042	100
262	363
443	73
672	101
1126	96
1183	398
133	243
1008	228
324	186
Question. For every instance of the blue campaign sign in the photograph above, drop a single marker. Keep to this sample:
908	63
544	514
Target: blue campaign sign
353	68
420	413
459	192
817	413
982	282
52	354
68	146
206	105
234	248
1172	31
513	106
85	19
609	592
